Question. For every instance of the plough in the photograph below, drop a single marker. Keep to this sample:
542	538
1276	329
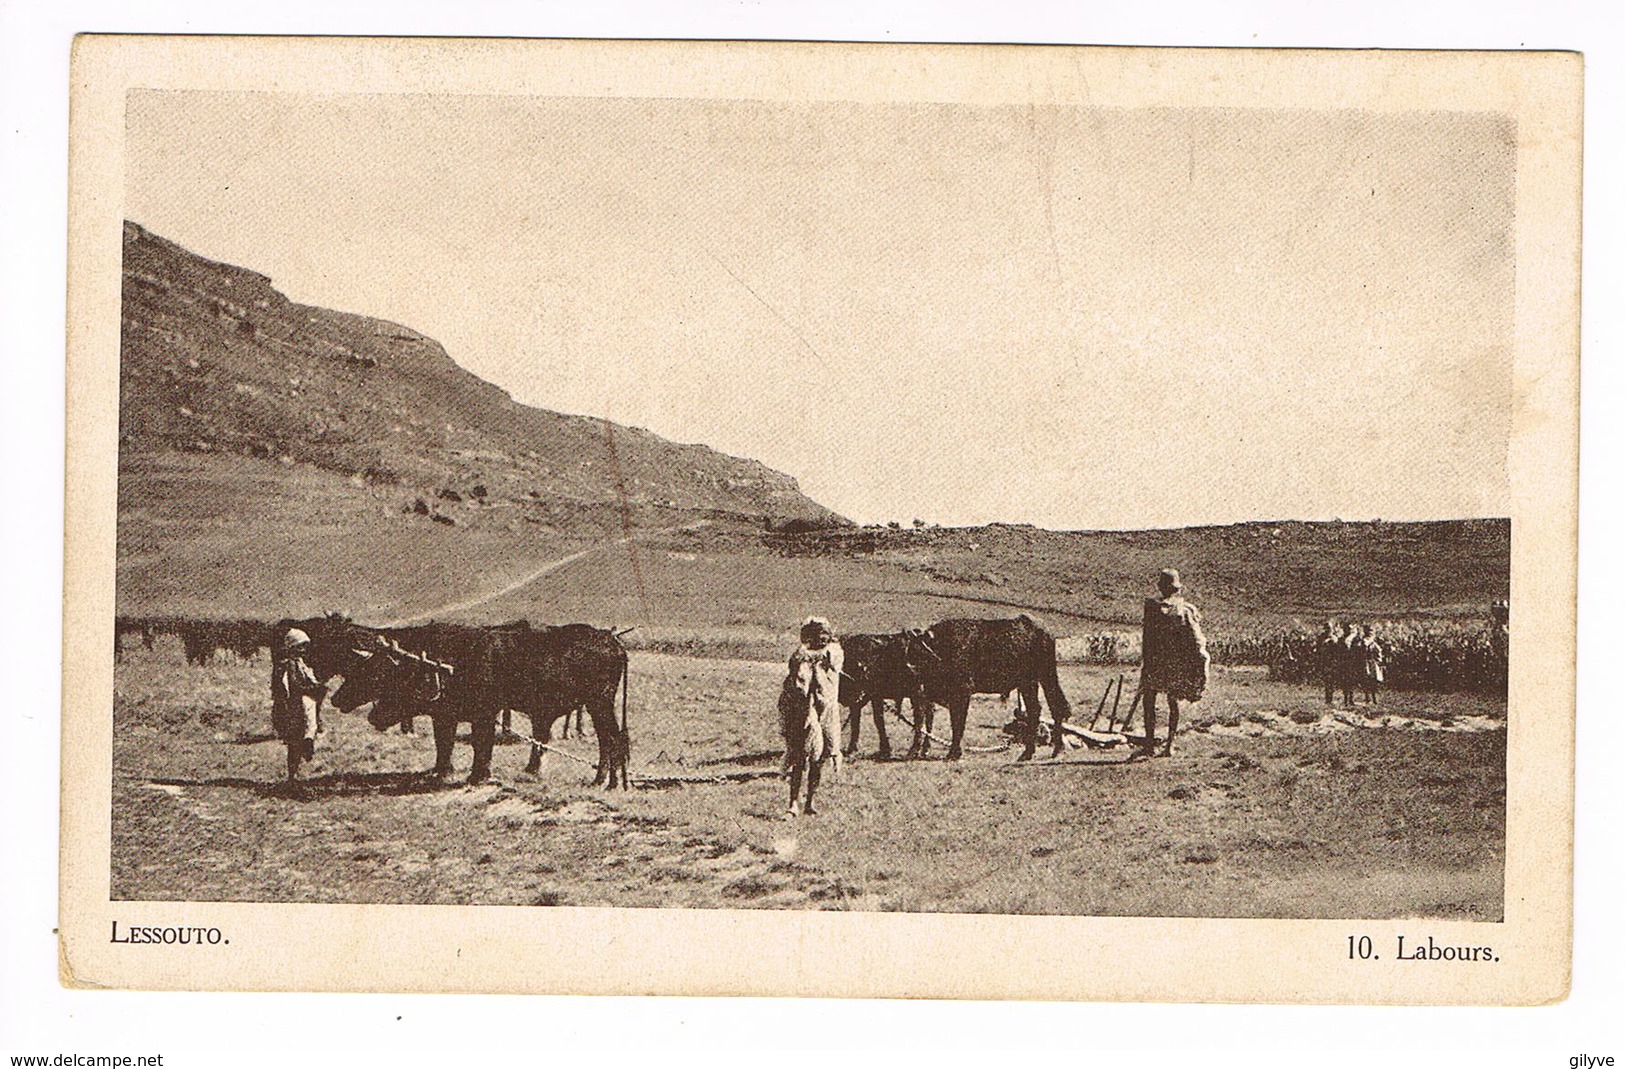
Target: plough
1116	733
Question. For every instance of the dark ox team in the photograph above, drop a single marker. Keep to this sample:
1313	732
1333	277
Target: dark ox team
460	674
945	665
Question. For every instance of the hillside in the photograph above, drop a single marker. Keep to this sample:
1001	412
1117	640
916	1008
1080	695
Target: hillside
283	459
1266	571
215	361
720	589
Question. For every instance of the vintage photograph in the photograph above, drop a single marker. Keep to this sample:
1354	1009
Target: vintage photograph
869	504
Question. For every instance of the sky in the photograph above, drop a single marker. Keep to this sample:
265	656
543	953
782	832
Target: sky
1076	317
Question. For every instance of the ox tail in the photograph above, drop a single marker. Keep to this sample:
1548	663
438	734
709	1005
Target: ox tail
626	734
1050	679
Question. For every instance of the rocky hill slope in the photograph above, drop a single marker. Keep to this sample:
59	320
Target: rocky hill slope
215	361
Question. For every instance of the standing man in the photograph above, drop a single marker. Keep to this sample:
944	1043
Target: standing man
1351	663
296	700
810	710
1500	642
1375	663
1329	657
1173	658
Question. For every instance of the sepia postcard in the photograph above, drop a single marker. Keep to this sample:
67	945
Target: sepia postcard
939	521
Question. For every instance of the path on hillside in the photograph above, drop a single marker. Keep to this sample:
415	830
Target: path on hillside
546	569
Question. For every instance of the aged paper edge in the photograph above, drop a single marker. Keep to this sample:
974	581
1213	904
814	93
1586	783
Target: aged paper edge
723	952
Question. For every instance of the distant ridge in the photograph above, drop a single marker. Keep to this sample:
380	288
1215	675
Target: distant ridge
214	361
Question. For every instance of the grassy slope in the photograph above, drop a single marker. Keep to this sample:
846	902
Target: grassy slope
219	536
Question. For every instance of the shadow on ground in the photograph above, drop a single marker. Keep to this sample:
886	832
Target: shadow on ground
334	784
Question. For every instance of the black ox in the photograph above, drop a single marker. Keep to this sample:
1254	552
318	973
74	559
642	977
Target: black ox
879	668
957	658
550	672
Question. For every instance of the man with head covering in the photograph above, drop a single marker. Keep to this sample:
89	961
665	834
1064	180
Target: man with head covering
810	710
296	699
1173	657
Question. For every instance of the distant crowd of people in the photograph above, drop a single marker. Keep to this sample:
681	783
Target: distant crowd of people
1352	659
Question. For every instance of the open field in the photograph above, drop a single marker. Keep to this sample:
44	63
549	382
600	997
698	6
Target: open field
1269	808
